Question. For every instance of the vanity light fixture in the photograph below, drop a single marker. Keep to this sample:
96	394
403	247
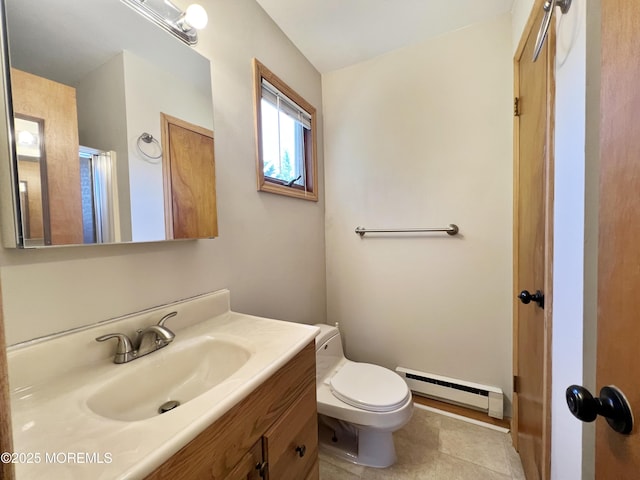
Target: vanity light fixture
171	18
27	139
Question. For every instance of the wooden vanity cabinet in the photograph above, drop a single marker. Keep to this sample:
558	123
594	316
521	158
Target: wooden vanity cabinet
290	446
251	466
314	473
275	428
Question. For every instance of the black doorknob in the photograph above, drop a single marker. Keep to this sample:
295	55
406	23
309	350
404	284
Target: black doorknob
538	297
611	404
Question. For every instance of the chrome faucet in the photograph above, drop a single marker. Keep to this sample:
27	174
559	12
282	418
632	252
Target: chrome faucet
149	339
154	337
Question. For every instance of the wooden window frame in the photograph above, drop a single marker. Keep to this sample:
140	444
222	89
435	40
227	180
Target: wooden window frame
273	185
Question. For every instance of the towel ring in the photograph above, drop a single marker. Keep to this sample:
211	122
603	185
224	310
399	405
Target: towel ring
148	138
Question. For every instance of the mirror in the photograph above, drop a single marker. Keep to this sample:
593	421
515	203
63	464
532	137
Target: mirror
32	180
91	99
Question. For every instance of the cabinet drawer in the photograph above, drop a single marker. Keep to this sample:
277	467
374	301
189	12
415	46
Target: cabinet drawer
248	468
291	444
314	474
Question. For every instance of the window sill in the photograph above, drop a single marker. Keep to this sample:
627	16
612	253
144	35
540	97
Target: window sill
270	187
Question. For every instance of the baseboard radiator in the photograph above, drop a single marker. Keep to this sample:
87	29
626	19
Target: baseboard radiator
458	392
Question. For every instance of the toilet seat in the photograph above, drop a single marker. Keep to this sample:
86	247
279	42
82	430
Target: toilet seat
369	387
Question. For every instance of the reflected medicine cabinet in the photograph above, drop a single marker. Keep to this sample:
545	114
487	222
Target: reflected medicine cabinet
113	194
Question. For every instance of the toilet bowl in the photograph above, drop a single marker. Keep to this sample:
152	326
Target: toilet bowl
360	405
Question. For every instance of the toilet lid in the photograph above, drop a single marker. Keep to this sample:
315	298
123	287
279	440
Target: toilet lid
369	387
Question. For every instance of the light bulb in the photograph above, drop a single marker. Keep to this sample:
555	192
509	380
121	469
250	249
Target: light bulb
196	16
26	138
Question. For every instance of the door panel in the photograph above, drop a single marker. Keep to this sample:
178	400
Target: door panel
55	105
618	361
532	256
190	180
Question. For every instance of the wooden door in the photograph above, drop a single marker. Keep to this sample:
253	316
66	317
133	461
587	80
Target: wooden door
618	360
532	253
55	104
190	180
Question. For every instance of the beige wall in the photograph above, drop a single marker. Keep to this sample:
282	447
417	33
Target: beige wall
270	252
520	14
107	108
422	137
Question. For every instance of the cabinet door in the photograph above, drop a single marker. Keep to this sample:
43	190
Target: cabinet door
291	444
249	466
314	474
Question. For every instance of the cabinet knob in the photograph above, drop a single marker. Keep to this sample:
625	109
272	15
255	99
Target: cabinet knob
262	468
526	297
301	450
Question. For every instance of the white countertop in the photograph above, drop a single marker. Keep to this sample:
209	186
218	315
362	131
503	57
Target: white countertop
57	436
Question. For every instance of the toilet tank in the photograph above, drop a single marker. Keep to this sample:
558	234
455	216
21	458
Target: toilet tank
329	351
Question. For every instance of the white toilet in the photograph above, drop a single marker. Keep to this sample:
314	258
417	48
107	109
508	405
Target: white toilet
360	405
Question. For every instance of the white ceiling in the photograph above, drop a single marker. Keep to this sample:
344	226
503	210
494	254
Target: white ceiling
64	40
334	34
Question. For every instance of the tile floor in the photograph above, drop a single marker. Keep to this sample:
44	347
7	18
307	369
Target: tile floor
436	447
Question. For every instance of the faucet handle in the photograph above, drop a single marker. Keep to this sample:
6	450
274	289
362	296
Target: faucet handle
124	349
166	317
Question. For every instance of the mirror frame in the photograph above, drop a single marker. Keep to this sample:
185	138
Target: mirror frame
10	225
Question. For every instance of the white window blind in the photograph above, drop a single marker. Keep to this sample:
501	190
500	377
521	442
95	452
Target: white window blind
284	104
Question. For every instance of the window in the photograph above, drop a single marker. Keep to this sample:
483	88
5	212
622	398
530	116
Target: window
285	136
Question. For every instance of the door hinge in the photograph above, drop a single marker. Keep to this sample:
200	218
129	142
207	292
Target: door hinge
516	384
516	107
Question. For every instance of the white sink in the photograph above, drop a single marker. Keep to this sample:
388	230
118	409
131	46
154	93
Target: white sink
67	395
178	372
